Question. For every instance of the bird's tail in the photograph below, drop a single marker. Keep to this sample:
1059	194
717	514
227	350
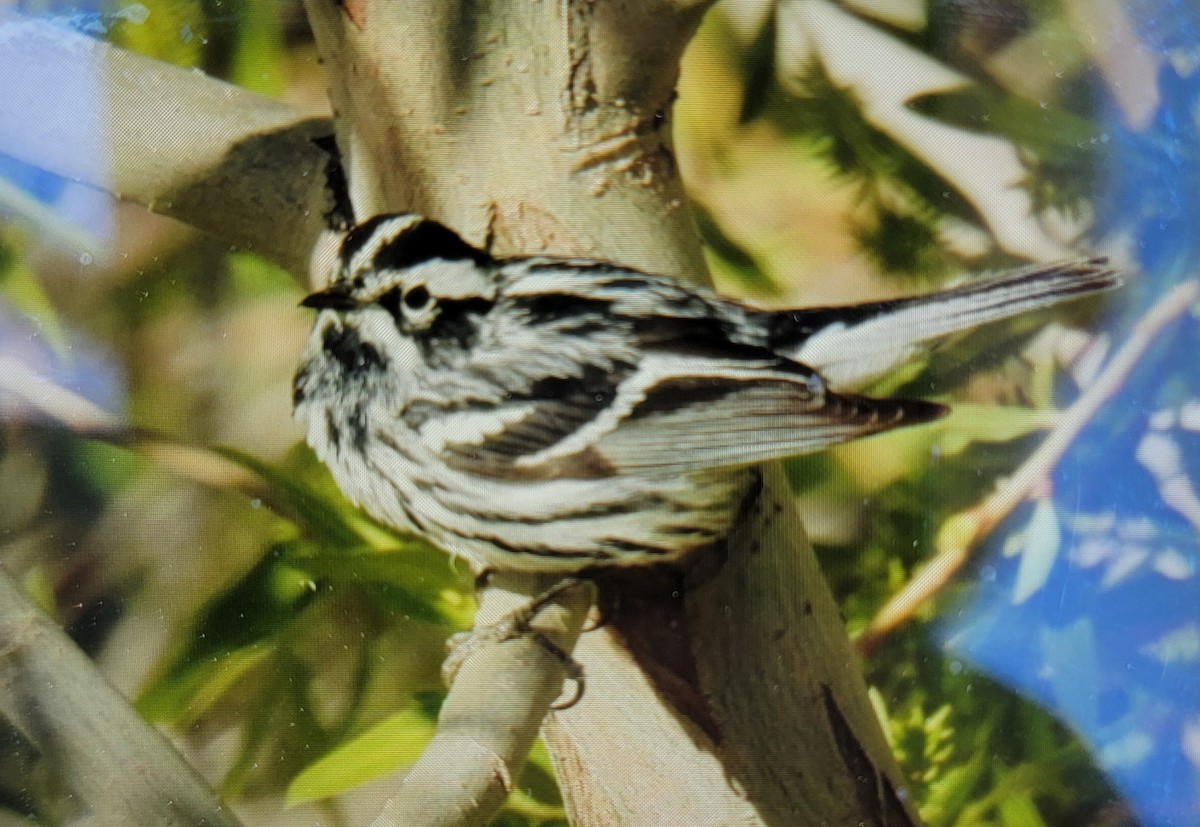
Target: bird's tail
853	346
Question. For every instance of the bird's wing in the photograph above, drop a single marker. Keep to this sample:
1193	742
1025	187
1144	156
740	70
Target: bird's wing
495	439
679	413
732	417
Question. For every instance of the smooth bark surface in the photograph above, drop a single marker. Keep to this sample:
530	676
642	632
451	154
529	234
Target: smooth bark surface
244	168
107	766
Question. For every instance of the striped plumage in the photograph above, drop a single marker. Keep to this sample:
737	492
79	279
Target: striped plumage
557	415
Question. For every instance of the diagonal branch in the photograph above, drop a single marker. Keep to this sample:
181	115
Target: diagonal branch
240	166
964	531
108	758
491	716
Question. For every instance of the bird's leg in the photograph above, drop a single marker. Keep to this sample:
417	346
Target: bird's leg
517	624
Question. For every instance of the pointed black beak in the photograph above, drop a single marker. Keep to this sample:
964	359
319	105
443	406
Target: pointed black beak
336	297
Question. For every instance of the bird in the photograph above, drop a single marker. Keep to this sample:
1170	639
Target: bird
568	415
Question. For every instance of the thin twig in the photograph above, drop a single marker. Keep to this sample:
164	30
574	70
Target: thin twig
962	532
21	387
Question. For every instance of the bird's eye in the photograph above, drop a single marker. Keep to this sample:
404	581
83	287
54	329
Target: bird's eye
417	298
405	305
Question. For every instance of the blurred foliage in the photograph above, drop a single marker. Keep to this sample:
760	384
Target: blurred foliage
296	644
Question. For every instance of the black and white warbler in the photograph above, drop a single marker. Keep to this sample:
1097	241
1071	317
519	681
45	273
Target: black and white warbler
557	415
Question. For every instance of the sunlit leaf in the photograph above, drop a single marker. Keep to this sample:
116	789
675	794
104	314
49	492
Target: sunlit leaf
301	503
1040	547
192	692
393	743
252	276
250	614
258	61
417	581
970	423
952	791
107	466
279	733
173	30
1020	811
985	109
536	795
728	260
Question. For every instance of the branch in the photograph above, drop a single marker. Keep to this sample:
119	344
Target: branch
240	166
987	170
765	642
108	759
492	714
964	531
526	129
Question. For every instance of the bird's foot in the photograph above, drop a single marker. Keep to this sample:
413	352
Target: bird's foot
518	624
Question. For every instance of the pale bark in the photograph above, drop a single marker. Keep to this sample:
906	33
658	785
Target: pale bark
107	766
240	166
490	719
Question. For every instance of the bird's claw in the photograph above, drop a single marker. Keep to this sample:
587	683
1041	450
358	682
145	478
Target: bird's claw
517	624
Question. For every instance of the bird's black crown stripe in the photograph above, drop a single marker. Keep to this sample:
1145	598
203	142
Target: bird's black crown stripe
362	233
423	242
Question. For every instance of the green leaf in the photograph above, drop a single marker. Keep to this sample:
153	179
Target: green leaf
253	277
729	261
969	423
249	615
536	796
107	466
758	67
1020	811
173	30
259	60
190	693
948	795
261	612
416	581
278	732
301	503
23	290
903	243
394	742
979	108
